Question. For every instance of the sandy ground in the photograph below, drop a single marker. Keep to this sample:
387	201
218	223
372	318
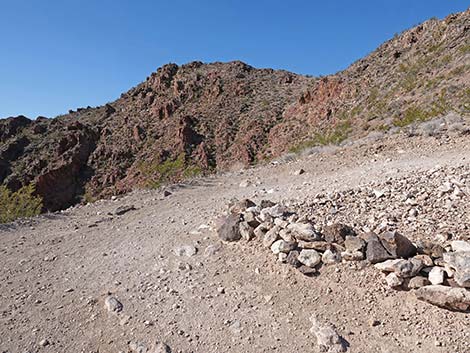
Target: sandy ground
56	270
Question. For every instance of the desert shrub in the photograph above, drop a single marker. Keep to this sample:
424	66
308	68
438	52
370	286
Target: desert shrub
158	174
331	137
412	115
22	203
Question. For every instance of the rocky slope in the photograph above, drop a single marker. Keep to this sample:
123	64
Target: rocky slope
197	118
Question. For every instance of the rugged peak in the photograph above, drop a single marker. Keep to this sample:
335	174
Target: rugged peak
201	117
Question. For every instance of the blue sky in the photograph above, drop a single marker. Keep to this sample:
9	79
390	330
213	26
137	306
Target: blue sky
57	55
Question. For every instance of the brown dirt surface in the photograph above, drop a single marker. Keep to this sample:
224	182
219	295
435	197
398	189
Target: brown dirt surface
58	269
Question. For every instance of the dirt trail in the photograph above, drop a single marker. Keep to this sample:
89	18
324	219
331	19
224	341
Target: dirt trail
57	270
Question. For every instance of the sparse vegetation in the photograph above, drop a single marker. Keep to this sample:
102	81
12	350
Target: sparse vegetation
19	204
332	137
412	115
158	174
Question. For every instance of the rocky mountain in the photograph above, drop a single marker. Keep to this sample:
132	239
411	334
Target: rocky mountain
199	118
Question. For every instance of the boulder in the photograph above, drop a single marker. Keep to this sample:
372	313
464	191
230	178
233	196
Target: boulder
317	245
250	218
353	244
352	255
304	231
460	263
429	248
337	233
271	236
388	265
375	252
260	231
309	257
417	282
228	228
329	257
293	258
397	245
240	206
282	246
246	231
393	280
457	299
436	275
460	245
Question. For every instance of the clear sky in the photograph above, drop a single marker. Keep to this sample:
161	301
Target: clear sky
57	55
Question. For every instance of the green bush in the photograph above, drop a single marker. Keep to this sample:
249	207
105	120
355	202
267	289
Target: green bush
158	174
22	203
332	137
411	115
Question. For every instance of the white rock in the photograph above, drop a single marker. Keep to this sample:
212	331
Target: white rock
436	275
387	266
460	245
393	280
309	257
282	246
329	257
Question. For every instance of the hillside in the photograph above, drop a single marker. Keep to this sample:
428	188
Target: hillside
199	118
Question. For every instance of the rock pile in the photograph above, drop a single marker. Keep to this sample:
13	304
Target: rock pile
438	273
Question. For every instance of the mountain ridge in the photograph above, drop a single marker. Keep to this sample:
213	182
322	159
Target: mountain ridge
199	118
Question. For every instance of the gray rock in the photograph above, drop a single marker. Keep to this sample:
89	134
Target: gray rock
240	206
352	255
293	258
304	231
329	257
328	339
375	252
270	237
436	275
460	263
185	250
260	231
337	233
250	218
388	265
286	235
228	228
460	245
393	280
309	257
306	270
113	305
299	171
445	297
418	282
397	245
274	211
353	244
429	248
317	245
282	257
408	268
425	259
282	246
246	231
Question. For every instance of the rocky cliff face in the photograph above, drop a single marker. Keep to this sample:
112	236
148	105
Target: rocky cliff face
198	118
